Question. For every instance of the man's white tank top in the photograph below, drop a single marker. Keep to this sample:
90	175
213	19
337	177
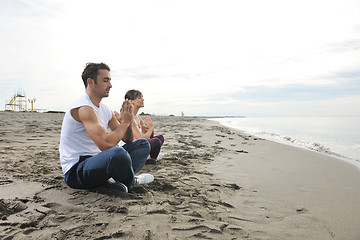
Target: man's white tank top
74	140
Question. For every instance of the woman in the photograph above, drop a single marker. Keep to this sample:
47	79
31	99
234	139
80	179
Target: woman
144	129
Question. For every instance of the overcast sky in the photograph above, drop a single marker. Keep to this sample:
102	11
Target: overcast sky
253	58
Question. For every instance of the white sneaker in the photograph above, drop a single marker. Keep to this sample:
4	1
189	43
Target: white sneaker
144	178
160	156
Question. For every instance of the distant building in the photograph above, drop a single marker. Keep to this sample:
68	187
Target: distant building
17	103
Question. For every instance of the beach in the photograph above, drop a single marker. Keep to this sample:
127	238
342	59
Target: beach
213	183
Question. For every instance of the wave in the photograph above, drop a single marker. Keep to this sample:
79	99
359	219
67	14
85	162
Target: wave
313	146
338	140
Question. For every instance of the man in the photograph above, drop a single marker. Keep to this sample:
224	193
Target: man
89	155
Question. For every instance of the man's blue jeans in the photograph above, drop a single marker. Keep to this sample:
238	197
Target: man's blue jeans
120	163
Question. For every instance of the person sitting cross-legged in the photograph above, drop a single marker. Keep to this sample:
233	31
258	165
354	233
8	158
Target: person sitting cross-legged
144	128
89	155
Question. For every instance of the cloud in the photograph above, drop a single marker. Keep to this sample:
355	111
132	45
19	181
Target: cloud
197	56
299	92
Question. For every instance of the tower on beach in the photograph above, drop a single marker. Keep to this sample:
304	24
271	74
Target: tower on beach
18	102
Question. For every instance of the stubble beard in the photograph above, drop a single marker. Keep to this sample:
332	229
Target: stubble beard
107	93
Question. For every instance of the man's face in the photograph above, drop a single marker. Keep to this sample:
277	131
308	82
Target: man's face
103	85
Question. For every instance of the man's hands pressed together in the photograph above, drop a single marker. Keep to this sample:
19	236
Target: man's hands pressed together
126	113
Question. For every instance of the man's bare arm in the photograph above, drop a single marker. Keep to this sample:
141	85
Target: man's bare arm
128	137
96	130
124	116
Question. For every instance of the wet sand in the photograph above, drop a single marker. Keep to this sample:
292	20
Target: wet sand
213	183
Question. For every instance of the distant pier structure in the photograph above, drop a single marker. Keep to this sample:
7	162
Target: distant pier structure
18	102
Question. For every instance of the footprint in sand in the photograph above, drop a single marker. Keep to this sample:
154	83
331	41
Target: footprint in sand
301	210
241	151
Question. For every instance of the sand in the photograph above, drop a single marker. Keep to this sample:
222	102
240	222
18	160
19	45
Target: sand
213	183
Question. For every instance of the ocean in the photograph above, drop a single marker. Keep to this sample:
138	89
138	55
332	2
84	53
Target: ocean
334	136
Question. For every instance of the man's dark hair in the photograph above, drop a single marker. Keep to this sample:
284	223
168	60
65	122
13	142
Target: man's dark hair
133	94
91	71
